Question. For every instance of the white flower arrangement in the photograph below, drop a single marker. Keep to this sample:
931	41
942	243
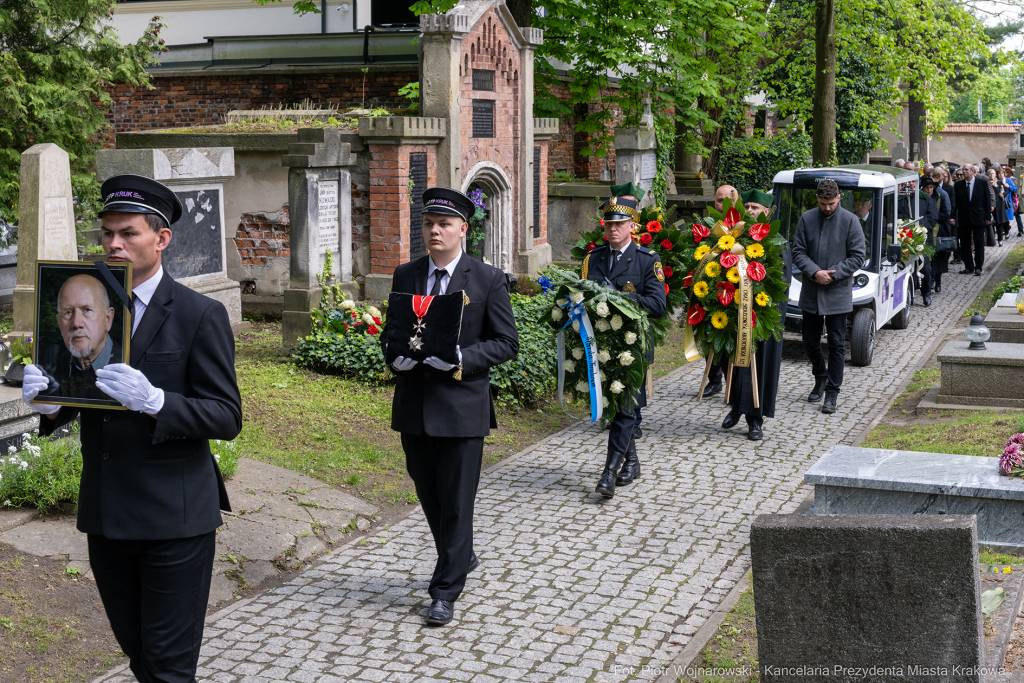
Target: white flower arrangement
617	387
603	356
576	297
602	325
556	314
630	338
602	309
616	322
347	305
570	366
582	387
577	353
604	401
562	302
368	319
576	325
374	311
603	376
626	358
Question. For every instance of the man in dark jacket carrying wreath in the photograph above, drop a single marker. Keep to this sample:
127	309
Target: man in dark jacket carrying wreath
625	266
828	248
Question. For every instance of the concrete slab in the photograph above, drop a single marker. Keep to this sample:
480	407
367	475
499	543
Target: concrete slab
222	588
1008	300
48	537
931	401
255	573
252	540
990	376
306	547
14	517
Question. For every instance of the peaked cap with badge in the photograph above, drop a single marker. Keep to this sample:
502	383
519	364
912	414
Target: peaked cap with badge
448	202
129	193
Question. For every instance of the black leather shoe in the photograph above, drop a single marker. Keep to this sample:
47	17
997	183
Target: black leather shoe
938	288
956	261
754	431
829	405
977	271
966	271
927	299
731	420
474	562
815	395
440	612
606	486
630	468
711	389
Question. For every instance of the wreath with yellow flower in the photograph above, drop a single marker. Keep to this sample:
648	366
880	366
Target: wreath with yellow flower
738	259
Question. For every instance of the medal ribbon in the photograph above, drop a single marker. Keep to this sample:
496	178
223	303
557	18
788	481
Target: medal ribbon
420	304
578	313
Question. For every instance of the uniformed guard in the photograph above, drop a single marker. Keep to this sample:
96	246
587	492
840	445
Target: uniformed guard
624	265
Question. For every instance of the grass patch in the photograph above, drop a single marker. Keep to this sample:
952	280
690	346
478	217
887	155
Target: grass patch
985	301
671	354
987	556
731	654
975	432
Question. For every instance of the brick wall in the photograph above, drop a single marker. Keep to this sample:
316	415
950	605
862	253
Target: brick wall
200	100
564	150
390	202
261	236
543	193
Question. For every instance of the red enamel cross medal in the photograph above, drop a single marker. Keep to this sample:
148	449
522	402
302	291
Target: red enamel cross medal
420	304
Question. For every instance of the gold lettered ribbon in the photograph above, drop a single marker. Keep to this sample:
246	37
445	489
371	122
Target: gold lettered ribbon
720	229
745	300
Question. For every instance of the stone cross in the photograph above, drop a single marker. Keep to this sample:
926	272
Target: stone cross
46	225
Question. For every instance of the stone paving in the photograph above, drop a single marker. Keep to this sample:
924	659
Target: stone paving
573	587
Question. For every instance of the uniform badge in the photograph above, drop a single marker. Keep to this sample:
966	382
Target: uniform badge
420	305
629	287
658	272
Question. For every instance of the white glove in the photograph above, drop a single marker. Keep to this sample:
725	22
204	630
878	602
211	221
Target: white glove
130	387
403	364
34	382
435	362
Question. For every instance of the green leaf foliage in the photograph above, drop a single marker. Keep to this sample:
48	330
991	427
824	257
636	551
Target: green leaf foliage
43	474
751	163
56	58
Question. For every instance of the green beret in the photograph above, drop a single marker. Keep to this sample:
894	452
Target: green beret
628	189
757	197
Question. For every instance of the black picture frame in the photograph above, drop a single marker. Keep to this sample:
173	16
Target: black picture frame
91	319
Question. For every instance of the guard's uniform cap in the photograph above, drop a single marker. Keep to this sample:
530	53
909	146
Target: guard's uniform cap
448	202
629	188
620	209
757	197
139	194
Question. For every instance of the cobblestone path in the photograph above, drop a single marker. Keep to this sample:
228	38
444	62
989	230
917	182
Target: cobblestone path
573	587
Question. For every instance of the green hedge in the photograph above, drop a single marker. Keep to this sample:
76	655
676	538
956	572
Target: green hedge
1011	285
751	163
524	380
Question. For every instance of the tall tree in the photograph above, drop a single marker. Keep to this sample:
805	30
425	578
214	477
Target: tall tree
823	131
57	57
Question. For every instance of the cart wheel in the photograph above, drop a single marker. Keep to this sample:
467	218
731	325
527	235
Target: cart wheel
862	338
901	320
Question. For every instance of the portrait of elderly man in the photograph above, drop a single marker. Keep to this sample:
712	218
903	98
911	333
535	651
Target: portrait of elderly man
84	317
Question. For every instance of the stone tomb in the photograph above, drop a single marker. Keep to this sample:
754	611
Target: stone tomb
196	256
867	597
1005	322
46	225
850	480
988	377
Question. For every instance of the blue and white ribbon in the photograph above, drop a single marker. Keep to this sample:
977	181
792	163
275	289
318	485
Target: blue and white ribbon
577	313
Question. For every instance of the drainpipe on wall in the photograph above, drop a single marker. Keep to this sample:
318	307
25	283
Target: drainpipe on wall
355	11
323	16
366	43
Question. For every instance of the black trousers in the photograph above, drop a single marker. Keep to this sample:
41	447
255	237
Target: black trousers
832	372
969	234
622	429
926	276
716	375
446	471
155	594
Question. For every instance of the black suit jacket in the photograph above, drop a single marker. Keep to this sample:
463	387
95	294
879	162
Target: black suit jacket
80	384
155	479
977	209
428	401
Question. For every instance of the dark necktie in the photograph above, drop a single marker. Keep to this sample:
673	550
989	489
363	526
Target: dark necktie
614	259
436	289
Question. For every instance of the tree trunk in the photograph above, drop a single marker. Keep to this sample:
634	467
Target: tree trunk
824	131
522	11
916	119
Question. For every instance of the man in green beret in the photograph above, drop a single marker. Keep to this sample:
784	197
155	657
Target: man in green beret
756	202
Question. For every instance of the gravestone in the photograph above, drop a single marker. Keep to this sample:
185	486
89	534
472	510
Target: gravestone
900	151
196	256
991	376
867	597
46	225
636	158
320	208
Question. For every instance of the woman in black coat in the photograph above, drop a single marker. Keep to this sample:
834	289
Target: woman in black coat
1002	195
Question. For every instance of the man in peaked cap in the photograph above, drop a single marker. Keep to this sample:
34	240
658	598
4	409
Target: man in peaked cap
151	491
626	266
444	411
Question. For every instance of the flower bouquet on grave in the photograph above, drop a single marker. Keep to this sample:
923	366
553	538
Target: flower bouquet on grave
732	287
667	242
1011	462
602	338
914	240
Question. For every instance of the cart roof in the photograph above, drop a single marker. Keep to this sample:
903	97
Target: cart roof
863	175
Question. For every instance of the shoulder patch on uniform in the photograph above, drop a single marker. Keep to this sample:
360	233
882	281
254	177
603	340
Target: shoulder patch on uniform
659	272
586	266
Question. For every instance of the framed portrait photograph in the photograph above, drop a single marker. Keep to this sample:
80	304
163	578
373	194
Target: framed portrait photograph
82	325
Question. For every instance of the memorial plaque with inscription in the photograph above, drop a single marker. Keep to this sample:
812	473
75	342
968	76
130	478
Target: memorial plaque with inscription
483	118
56	226
197	247
648	169
328	205
418	176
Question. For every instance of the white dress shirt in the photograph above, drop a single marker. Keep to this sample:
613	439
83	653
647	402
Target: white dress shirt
446	276
970	187
143	294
